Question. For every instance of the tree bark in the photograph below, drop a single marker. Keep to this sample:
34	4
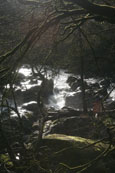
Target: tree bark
82	76
82	86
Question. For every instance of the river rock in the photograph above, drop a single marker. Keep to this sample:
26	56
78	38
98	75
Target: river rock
20	78
30	94
105	82
71	79
75	85
78	125
33	81
66	154
75	101
102	92
31	107
78	83
94	86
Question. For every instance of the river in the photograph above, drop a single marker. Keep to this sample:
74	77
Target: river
62	90
61	87
61	94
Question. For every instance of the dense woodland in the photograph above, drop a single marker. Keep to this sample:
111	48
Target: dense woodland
76	37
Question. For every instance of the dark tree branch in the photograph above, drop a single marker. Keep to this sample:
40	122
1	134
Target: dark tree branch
34	2
28	2
103	10
11	52
72	12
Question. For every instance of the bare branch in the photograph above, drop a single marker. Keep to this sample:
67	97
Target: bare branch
11	52
103	10
29	2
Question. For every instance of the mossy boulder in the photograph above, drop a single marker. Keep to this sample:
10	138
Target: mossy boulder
82	125
68	154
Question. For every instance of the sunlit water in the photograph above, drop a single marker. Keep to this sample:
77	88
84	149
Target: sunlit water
25	71
61	89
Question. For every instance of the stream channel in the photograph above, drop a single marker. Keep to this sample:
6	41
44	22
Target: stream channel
63	94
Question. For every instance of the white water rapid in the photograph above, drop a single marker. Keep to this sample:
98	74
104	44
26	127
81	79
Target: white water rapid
61	87
61	91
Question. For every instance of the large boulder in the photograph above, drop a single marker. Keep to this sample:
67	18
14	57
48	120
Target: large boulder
75	101
30	94
27	95
75	82
78	125
65	154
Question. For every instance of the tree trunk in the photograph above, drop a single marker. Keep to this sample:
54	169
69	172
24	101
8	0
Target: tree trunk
83	86
82	75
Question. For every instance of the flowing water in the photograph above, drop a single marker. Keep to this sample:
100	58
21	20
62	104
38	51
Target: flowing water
61	87
61	90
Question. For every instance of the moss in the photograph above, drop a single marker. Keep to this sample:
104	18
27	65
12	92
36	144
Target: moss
4	158
75	141
58	150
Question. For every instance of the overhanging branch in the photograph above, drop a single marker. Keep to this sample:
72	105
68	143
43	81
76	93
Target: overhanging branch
29	2
11	52
103	10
